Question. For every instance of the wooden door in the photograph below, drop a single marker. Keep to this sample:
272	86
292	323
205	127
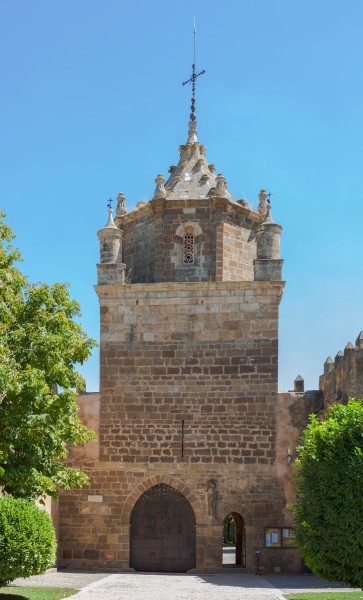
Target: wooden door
162	536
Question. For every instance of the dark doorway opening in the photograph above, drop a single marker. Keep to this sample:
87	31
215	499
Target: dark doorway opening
162	534
234	541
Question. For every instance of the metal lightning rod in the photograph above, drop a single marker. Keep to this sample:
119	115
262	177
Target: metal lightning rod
193	78
195	39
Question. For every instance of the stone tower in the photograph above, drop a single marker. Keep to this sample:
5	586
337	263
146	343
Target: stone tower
189	285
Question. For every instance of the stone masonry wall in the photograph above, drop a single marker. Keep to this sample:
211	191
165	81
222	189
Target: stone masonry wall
237	251
224	241
205	354
172	266
138	247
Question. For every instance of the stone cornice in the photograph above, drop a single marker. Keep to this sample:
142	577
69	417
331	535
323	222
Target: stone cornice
214	202
199	289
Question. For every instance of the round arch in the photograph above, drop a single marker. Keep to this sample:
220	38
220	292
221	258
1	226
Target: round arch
228	506
188	226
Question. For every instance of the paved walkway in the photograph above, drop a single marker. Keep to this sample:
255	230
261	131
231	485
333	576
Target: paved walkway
162	586
150	586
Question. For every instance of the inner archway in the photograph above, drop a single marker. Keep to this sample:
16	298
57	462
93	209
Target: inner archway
162	532
234	541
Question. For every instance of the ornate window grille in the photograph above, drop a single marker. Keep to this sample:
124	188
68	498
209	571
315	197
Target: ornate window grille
188	248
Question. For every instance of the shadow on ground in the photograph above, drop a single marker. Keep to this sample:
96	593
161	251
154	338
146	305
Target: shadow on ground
12	597
285	583
224	579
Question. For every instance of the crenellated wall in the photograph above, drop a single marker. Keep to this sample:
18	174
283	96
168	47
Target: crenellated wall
343	377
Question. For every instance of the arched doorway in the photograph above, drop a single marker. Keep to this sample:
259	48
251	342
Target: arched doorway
234	541
162	533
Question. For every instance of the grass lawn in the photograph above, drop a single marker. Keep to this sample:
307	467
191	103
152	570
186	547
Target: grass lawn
13	592
324	596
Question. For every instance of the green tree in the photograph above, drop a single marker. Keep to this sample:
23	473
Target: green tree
329	507
40	345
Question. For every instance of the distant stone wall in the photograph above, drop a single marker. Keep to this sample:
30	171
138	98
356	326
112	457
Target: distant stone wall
83	458
293	410
88	411
343	376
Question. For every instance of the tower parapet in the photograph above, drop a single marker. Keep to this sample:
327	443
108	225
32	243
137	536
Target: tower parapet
234	241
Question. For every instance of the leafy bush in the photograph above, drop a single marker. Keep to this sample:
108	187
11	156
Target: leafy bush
27	539
329	505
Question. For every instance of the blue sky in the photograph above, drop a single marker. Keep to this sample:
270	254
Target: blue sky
92	105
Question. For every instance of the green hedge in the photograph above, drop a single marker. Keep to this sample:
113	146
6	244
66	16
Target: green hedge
27	539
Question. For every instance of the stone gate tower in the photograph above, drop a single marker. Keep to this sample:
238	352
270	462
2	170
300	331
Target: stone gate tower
189	285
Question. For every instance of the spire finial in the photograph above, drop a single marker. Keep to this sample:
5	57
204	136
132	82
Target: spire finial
110	221
193	79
